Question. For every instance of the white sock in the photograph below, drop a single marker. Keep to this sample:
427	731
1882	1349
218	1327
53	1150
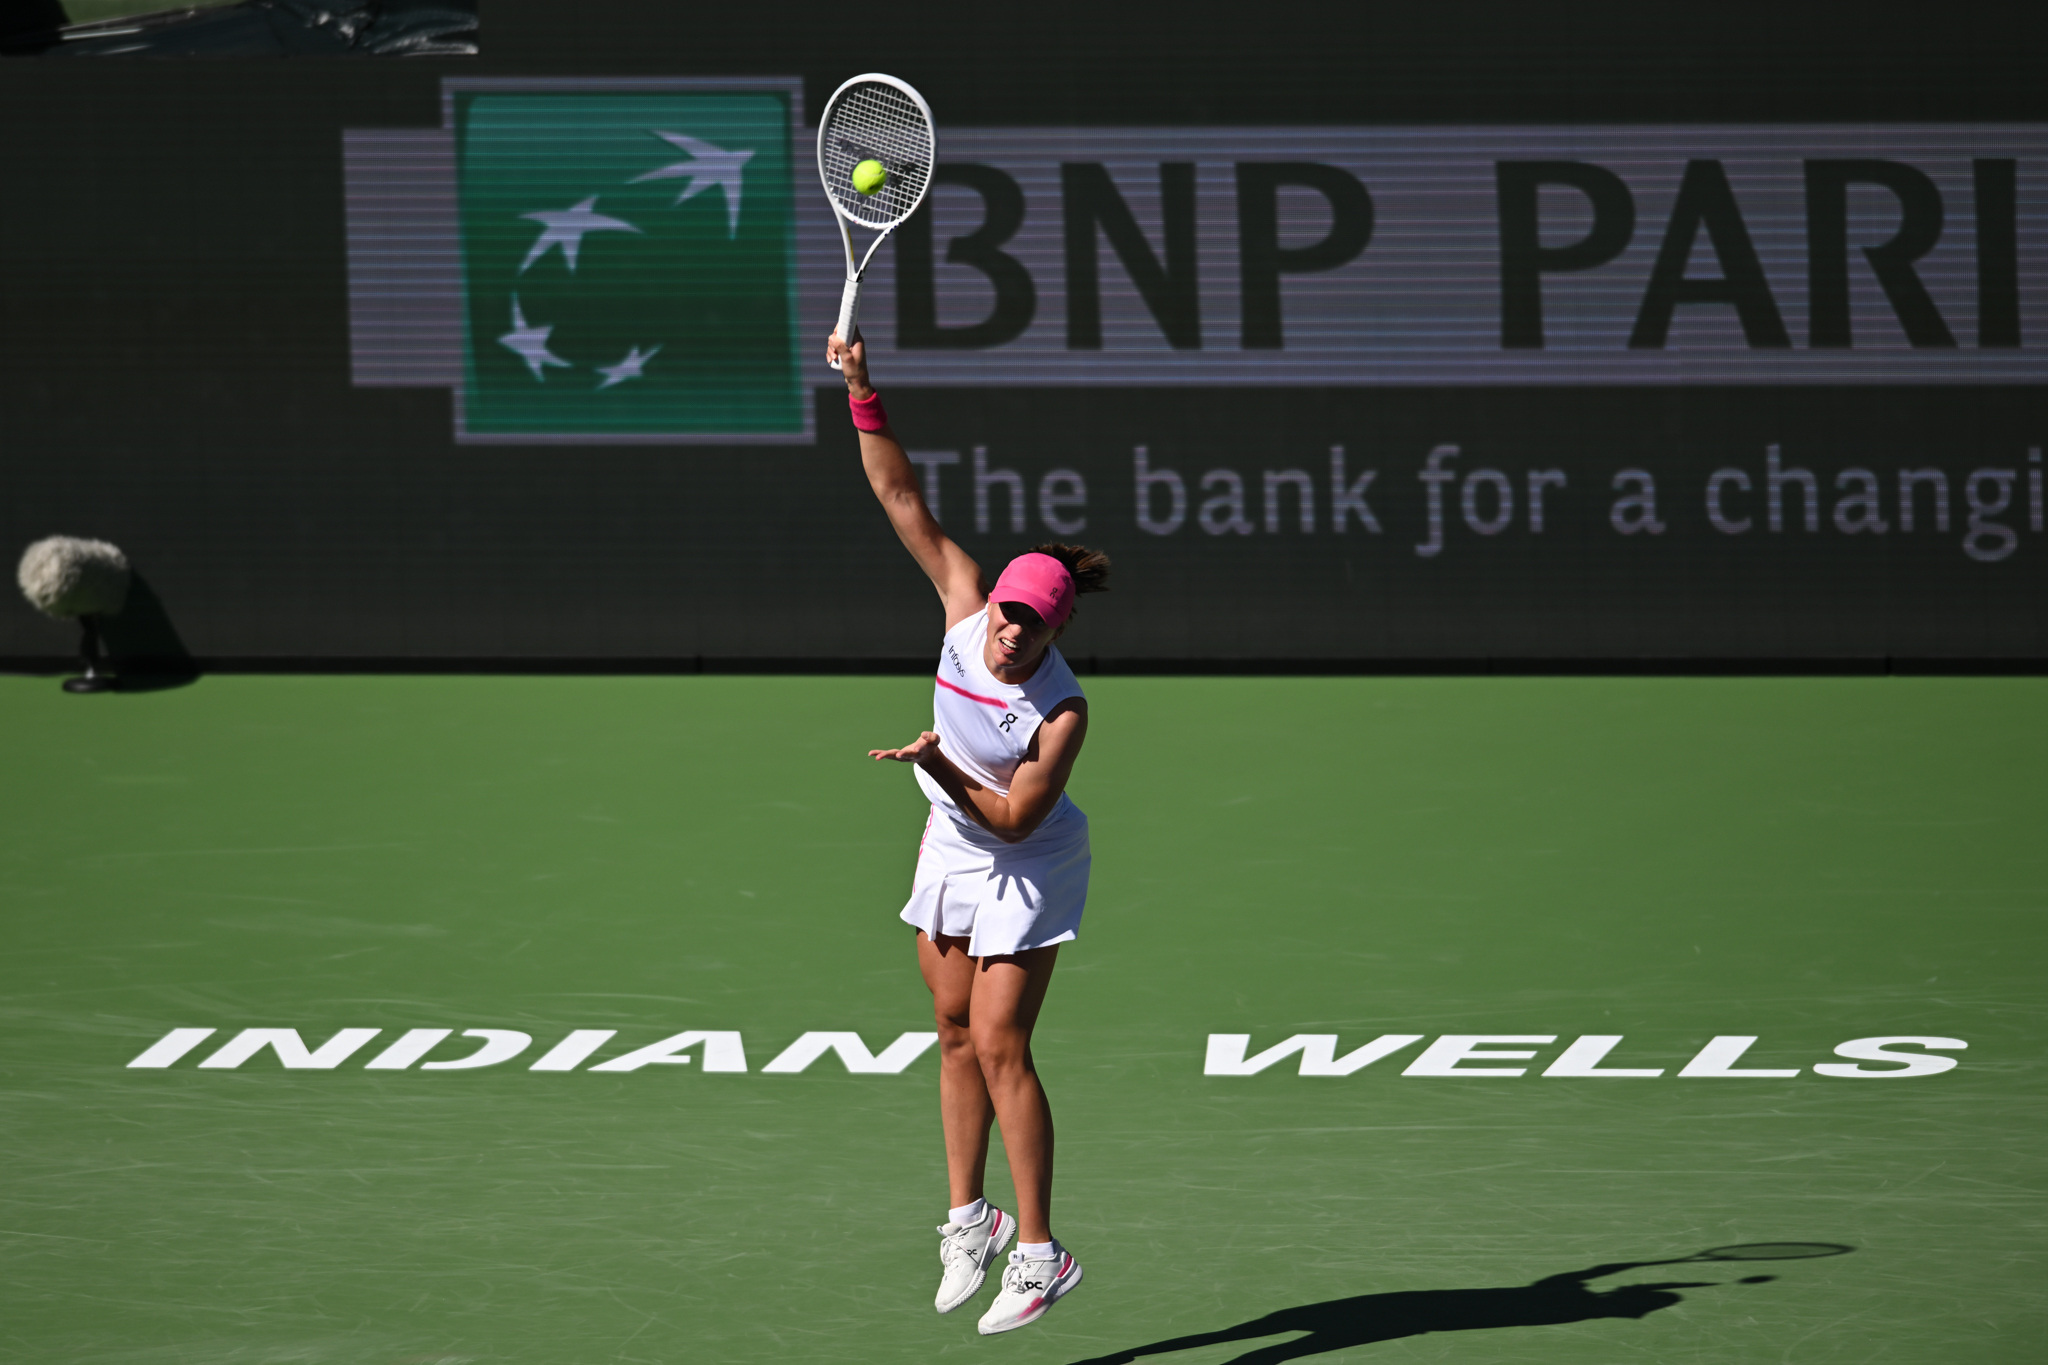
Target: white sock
1037	1251
967	1215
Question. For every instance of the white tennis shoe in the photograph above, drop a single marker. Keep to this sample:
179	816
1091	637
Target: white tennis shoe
1030	1286
966	1253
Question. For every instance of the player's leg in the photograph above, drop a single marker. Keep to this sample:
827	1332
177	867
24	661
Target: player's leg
975	1231
1008	992
964	1106
1007	995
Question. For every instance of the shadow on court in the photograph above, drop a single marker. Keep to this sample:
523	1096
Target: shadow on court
142	645
1335	1324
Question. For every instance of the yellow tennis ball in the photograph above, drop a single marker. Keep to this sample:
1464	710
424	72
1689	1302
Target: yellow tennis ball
870	176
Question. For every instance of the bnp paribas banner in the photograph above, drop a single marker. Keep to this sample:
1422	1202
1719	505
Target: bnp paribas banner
652	260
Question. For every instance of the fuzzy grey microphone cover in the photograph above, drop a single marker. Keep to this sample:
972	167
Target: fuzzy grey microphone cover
65	576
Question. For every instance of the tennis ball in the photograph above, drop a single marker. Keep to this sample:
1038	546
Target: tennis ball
870	176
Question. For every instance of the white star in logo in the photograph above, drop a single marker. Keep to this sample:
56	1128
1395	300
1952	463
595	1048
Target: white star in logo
708	167
565	228
629	368
530	344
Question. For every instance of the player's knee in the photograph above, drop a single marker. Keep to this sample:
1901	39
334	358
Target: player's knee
954	1034
1002	1052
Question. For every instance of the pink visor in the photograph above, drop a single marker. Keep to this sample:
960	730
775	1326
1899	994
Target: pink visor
1041	583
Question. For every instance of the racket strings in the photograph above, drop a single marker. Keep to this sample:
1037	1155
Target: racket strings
878	122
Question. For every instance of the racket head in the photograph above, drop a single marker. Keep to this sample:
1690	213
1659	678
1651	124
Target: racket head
880	118
1773	1251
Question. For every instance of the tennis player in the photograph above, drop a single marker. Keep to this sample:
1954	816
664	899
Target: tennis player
1002	872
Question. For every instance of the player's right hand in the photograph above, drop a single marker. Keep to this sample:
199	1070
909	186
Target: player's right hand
853	361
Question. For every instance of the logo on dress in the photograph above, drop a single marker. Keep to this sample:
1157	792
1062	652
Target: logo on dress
1009	719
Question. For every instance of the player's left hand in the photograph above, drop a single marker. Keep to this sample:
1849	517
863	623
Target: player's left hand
917	751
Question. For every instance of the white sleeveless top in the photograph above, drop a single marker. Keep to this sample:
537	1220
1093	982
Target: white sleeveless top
985	725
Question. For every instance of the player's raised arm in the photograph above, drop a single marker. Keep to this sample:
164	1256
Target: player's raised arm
956	576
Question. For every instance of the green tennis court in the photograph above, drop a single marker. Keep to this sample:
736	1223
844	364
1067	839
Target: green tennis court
1801	861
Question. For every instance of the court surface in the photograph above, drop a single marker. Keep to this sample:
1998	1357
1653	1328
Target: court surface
1805	861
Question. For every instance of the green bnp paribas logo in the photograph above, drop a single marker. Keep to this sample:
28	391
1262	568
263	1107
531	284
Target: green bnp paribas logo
629	264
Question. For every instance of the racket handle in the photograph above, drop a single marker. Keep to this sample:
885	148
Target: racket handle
849	313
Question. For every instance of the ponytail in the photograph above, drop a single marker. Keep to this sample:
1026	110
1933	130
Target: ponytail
1089	568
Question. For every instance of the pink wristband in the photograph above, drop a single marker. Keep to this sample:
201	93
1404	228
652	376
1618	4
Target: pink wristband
867	412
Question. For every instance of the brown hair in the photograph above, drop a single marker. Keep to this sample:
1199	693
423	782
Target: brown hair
1090	568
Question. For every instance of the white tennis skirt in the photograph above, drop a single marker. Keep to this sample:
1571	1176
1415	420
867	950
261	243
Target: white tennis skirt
1002	898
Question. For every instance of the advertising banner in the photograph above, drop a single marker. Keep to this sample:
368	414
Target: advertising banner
522	368
1351	257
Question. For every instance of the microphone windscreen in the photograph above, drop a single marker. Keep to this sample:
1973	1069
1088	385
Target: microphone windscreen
66	576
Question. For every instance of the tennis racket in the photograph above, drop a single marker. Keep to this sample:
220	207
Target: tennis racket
1760	1251
873	118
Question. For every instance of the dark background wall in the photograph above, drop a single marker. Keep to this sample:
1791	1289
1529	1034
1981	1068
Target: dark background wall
174	366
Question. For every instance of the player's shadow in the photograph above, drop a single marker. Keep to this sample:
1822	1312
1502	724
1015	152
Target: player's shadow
1336	1324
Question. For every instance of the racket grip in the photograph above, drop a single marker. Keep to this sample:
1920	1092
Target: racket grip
849	312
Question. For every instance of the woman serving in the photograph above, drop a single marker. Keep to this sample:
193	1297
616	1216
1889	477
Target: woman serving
1002	872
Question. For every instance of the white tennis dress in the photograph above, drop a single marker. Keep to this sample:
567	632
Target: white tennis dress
1003	898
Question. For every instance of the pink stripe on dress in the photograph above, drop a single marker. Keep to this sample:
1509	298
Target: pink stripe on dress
972	696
